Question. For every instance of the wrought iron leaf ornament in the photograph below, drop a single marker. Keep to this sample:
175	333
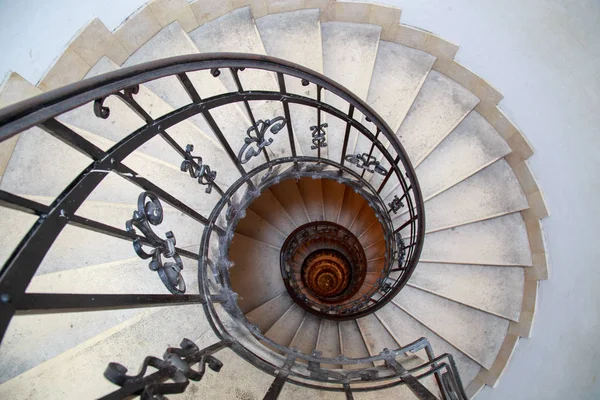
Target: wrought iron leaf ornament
396	204
173	375
365	162
247	152
150	212
318	134
101	111
196	169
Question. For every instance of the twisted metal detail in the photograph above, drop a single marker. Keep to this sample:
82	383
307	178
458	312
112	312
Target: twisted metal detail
196	169
396	204
365	161
247	152
173	375
318	134
150	212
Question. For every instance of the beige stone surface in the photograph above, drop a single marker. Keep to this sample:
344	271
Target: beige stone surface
284	330
68	68
137	29
484	91
167	11
252	225
493	375
513	136
425	41
268	313
95	41
472	146
269	208
207	10
279	6
387	17
14	89
259	7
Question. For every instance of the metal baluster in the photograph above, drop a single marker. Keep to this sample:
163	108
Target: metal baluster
347	135
286	112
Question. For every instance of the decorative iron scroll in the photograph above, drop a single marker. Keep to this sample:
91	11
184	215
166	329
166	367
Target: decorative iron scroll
103	112
173	374
196	169
150	212
318	134
247	152
365	161
396	204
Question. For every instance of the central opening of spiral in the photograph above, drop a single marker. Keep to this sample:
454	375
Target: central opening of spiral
326	273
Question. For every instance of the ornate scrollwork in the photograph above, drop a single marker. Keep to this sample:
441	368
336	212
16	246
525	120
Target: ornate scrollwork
196	169
175	371
365	162
247	152
318	134
400	251
101	111
150	212
396	204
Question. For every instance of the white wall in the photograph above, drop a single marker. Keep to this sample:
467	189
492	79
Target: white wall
545	57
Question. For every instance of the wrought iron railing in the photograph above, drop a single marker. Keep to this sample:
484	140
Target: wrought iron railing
264	157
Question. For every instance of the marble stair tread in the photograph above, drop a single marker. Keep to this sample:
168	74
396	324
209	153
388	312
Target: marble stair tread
254	263
472	146
269	208
237	32
499	241
59	332
289	196
407	329
284	330
476	333
398	75
352	204
491	192
496	290
74	373
122	121
257	228
172	41
375	335
268	313
353	344
333	196
312	195
306	338
439	107
349	53
329	341
296	36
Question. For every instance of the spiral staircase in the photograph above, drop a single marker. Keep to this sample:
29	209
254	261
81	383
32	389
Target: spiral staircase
307	197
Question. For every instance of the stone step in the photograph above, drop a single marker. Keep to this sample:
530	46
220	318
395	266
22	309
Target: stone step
492	192
333	196
352	343
284	330
351	205
349	53
269	208
172	41
257	228
33	339
268	313
476	333
296	36
255	264
499	241
406	330
78	247
307	335
122	120
236	32
496	290
472	146
329	341
288	195
398	76
77	373
375	335
440	106
312	196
